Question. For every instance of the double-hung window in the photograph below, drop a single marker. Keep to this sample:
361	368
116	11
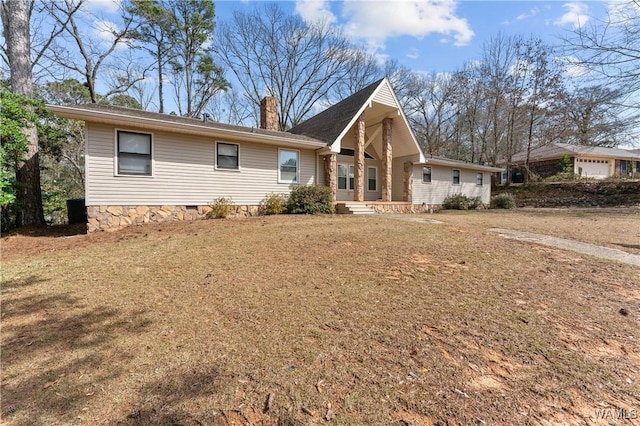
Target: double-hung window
289	169
479	179
227	156
345	176
134	153
342	176
426	174
372	179
456	177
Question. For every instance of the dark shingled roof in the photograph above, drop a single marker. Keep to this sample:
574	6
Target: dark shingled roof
186	120
328	125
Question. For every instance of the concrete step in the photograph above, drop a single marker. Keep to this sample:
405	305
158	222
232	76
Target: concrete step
353	208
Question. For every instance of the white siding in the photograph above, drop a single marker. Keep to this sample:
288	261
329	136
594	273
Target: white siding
385	96
442	186
183	172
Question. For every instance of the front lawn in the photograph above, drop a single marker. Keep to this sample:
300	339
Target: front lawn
310	320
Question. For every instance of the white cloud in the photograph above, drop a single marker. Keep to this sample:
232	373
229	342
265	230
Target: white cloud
572	67
104	30
576	15
533	12
104	6
413	53
375	22
315	11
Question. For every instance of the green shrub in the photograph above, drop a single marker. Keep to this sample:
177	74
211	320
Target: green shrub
461	202
273	204
503	201
311	199
221	207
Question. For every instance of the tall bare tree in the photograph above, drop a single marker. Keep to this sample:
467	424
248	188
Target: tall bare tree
94	52
610	47
16	16
594	116
273	53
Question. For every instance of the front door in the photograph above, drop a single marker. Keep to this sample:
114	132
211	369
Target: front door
345	182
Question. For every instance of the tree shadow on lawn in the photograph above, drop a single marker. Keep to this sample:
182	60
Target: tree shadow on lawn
54	352
49	231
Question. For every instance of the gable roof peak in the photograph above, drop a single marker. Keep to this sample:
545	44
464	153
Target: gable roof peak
330	123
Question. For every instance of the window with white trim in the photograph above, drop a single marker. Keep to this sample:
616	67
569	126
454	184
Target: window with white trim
479	179
289	169
134	153
426	174
342	176
227	156
351	177
372	179
456	177
346	174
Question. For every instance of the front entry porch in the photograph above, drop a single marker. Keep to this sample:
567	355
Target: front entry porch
372	207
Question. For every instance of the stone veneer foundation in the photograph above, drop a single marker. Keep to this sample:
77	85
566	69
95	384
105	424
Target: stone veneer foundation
392	207
111	218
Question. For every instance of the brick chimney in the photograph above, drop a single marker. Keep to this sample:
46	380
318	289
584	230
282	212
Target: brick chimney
269	113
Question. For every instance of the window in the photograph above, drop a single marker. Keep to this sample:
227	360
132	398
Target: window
345	176
479	179
342	176
351	176
134	153
426	174
289	170
227	156
456	177
372	179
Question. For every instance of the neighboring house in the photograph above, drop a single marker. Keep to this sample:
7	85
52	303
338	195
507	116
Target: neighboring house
149	167
588	161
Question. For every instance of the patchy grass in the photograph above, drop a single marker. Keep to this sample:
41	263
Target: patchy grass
298	320
617	228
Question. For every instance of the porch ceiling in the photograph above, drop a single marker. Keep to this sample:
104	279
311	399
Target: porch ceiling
401	137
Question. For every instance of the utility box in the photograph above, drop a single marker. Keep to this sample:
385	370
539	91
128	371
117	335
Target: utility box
76	211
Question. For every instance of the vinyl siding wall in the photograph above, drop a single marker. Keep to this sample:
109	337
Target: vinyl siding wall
442	186
183	171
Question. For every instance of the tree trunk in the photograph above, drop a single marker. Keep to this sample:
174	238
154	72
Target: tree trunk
160	58
15	19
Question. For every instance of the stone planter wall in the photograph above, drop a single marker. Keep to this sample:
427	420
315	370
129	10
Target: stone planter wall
110	218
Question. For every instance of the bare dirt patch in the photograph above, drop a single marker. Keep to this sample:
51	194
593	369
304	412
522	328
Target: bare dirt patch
311	320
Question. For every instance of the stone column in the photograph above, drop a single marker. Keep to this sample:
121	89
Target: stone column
387	159
407	193
358	161
331	173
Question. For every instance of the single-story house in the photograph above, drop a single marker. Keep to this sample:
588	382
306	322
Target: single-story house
588	161
149	167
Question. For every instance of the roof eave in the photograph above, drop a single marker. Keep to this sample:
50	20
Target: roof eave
471	166
107	117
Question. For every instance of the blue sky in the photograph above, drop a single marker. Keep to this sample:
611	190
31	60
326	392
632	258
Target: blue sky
425	35
438	35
